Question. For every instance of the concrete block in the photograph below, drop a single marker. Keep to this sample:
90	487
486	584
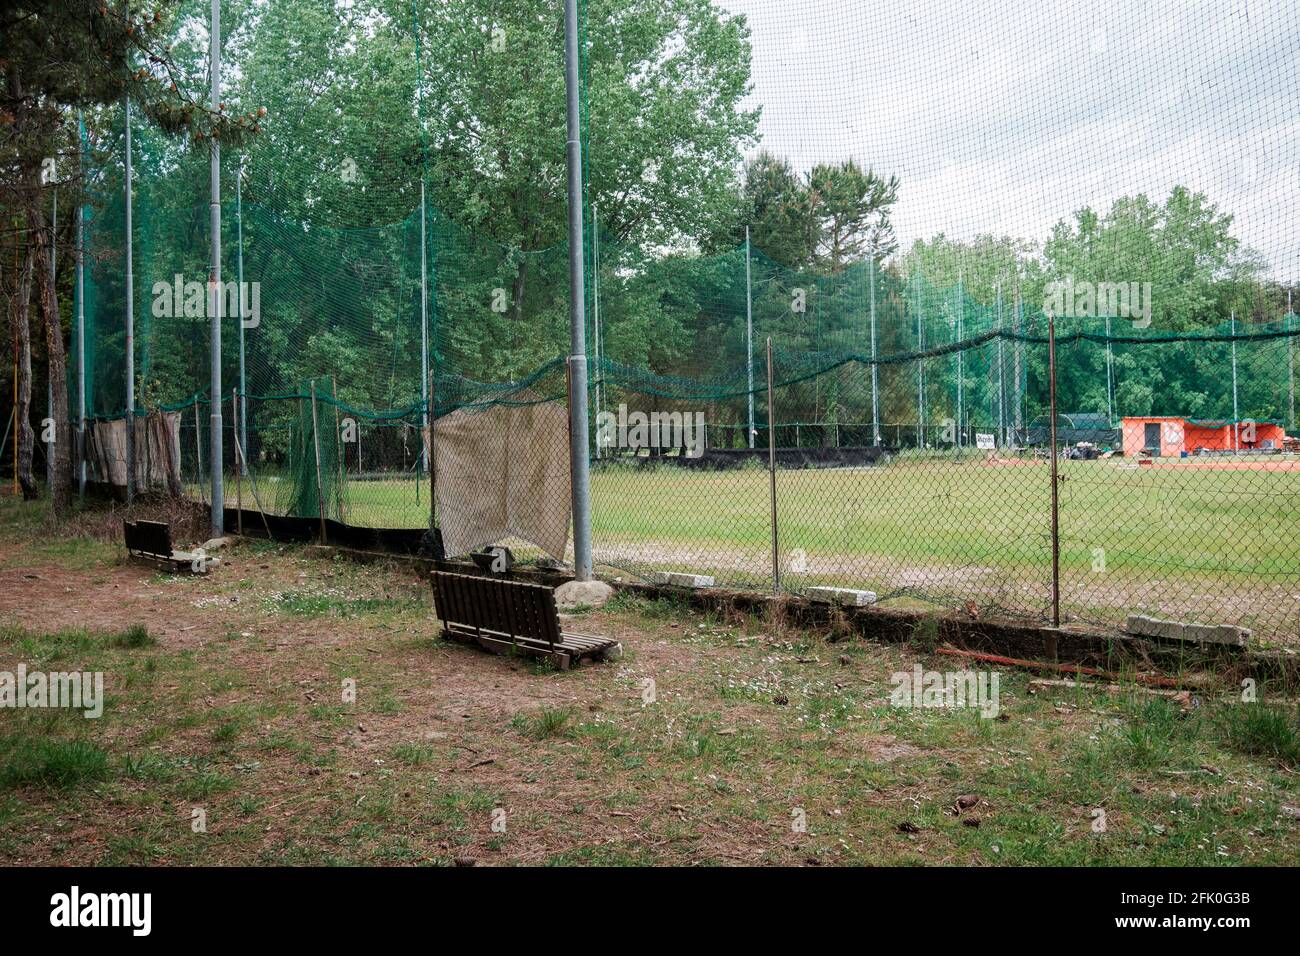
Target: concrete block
1228	634
1140	625
845	597
1231	635
681	579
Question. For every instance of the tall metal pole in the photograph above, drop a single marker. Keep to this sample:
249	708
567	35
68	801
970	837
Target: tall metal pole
1002	377
1056	529
961	361
214	286
595	303
81	314
424	317
1110	378
771	473
315	440
579	465
49	382
920	365
241	415
1290	361
875	372
749	335
1236	418
1019	372
130	316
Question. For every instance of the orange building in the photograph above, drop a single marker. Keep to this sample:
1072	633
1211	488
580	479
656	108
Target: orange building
1171	437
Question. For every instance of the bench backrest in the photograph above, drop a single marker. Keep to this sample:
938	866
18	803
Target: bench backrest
148	537
516	608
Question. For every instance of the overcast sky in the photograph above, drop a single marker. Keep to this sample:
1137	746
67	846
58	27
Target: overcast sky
1004	116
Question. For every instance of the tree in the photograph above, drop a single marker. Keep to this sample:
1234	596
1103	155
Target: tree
60	55
827	220
851	209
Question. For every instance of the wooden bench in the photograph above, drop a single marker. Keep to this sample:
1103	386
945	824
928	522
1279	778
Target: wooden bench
505	616
151	542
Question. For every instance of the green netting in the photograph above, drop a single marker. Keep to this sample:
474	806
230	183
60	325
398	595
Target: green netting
313	483
401	218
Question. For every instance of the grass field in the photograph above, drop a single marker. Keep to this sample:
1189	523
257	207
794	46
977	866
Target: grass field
223	707
1192	539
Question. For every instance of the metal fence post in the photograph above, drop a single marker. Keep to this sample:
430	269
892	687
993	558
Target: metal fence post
1056	526
320	490
238	420
771	472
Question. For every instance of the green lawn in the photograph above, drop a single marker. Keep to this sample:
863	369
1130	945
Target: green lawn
1180	540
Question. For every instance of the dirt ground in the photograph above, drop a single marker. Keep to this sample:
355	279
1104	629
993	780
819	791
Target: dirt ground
715	740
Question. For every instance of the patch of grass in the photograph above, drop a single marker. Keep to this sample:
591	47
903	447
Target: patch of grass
206	782
1264	730
53	645
321	604
53	762
146	767
1156	731
545	724
137	635
226	732
415	754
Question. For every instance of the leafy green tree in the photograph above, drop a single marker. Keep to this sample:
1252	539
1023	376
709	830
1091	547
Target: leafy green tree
60	55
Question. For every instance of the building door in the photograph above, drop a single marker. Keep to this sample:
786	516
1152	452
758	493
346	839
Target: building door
1151	437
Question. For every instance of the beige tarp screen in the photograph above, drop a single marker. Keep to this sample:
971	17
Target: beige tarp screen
503	472
157	450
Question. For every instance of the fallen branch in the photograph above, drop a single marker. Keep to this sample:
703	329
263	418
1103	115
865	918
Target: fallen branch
1154	680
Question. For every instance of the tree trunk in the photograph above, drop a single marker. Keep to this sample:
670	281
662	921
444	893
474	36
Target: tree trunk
26	437
517	291
41	237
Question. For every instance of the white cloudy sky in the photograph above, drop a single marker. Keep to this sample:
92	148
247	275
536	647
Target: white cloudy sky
1004	116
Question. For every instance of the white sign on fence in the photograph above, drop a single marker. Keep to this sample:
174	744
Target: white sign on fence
986	441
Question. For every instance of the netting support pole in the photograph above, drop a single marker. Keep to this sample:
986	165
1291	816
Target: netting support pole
875	370
130	315
49	382
771	474
424	318
1056	512
315	440
239	462
338	442
198	444
961	359
433	454
580	481
1019	371
1236	419
749	335
1290	361
1002	383
920	367
1110	378
215	299
81	318
242	398
595	309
